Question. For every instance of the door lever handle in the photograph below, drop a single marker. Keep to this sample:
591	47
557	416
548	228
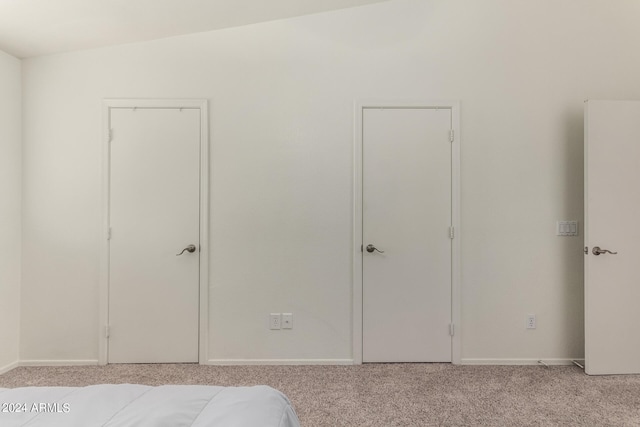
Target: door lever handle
597	251
191	249
370	248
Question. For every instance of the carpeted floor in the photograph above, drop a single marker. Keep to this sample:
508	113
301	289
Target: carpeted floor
394	394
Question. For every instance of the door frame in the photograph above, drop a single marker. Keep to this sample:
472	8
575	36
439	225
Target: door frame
357	297
103	312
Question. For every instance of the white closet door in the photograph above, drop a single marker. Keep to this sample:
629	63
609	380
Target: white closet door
612	213
154	215
407	217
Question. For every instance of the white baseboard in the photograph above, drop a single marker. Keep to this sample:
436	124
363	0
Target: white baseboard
231	362
9	367
560	362
57	362
227	362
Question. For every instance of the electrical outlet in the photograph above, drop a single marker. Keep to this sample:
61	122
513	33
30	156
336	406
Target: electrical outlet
275	321
287	321
531	321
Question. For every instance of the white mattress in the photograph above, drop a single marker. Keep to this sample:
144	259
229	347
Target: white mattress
141	405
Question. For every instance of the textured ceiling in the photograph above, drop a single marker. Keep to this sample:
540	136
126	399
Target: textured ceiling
40	27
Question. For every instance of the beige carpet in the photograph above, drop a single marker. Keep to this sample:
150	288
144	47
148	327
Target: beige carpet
395	394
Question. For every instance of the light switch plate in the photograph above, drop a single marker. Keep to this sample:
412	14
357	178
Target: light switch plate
567	228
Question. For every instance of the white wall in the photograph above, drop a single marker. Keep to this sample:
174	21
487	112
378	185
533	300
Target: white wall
10	207
282	116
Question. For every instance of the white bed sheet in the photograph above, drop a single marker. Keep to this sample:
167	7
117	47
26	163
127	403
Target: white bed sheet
137	405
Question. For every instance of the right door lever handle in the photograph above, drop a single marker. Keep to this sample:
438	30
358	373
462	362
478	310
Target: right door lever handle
597	251
370	248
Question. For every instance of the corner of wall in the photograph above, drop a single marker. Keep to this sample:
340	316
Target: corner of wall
10	209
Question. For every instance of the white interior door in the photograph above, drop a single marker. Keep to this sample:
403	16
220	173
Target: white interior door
407	196
612	210
154	214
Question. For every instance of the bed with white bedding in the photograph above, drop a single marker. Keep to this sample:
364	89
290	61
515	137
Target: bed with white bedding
128	405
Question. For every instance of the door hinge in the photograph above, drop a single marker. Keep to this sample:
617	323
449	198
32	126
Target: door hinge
109	233
110	135
107	331
452	232
451	135
451	329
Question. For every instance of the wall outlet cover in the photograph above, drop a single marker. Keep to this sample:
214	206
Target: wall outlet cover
275	321
287	321
531	321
